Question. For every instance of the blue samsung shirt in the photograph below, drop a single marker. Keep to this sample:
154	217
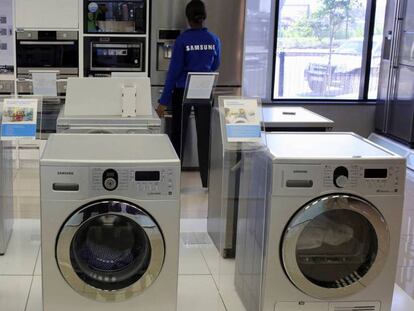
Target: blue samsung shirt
195	50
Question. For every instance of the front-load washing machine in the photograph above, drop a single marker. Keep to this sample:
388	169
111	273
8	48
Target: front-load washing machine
110	222
328	226
224	173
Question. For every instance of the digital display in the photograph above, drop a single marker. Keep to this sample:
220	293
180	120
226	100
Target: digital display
169	34
111	52
376	173
147	176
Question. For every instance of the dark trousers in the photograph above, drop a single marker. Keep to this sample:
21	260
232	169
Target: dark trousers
180	119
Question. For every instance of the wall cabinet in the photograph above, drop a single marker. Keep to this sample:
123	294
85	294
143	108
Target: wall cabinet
47	14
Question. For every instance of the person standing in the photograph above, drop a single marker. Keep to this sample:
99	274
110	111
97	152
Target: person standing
195	50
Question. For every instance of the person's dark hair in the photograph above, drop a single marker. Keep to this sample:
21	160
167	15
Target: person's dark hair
196	12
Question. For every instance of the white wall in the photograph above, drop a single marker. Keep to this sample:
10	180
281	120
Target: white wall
348	118
6	56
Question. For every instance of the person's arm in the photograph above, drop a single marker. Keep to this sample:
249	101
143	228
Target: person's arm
174	71
217	59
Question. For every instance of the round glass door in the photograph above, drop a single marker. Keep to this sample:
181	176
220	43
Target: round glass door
110	251
335	246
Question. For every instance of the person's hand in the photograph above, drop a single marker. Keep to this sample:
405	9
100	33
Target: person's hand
161	110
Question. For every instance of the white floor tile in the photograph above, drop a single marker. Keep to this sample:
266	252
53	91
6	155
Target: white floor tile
405	279
194	225
21	254
401	301
213	259
38	268
27	207
27	180
14	291
228	292
34	302
198	292
190	180
192	261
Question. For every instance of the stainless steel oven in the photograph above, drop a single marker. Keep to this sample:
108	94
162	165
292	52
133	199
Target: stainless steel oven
46	50
115	16
105	55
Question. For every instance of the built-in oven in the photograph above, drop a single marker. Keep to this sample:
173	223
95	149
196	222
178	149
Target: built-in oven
56	51
115	16
104	55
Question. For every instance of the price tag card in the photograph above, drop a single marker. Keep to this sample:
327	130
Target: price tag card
242	119
44	83
200	86
19	119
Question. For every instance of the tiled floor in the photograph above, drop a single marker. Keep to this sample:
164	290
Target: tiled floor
205	280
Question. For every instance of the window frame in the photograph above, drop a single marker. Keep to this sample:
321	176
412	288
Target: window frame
362	99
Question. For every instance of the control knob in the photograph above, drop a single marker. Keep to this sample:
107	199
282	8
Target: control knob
110	180
341	176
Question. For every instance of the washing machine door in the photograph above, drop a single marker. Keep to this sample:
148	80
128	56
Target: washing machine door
110	251
335	246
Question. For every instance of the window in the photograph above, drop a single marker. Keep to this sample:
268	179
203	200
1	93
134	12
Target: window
322	49
258	49
376	52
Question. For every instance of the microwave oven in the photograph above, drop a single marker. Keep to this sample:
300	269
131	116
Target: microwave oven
104	55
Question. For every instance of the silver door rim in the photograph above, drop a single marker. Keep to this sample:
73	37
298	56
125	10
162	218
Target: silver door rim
290	240
71	227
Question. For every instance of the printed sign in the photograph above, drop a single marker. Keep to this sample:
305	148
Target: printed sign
243	118
200	86
44	83
19	119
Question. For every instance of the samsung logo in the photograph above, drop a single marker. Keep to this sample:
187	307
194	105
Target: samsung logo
200	47
65	173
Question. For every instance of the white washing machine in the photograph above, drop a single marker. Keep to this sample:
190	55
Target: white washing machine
110	222
224	175
330	226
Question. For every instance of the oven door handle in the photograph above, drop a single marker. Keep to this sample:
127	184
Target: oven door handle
47	42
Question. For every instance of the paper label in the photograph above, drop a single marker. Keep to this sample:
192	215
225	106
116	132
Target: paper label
200	86
19	119
44	83
242	119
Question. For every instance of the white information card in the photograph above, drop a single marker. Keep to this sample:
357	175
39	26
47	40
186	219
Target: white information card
200	86
242	119
19	120
44	83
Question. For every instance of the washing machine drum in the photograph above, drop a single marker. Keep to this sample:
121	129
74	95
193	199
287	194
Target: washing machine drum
335	246
110	251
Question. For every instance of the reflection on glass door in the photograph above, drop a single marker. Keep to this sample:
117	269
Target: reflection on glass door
338	242
110	250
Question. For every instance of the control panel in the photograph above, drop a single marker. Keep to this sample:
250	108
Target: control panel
369	178
110	180
147	184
